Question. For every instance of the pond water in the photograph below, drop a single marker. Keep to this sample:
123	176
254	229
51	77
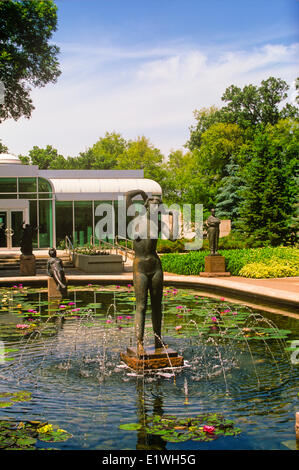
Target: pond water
66	355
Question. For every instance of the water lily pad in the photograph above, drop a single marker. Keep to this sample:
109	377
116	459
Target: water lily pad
130	426
24	435
203	427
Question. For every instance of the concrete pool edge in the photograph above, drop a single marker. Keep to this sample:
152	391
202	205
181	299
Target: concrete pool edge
253	293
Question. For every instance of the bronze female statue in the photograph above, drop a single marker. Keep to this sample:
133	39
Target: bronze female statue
147	273
26	239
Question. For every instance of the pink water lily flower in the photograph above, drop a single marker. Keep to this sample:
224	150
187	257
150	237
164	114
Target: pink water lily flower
22	326
108	321
76	309
179	327
214	319
209	429
72	303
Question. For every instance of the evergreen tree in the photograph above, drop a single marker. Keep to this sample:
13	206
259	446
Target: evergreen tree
269	194
229	196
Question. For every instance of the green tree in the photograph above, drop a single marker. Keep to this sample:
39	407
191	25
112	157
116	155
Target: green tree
140	154
205	118
107	151
26	56
270	191
103	155
44	158
249	107
219	144
3	148
229	196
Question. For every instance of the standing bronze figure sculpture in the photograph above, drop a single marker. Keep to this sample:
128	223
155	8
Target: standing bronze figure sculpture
26	240
56	271
214	262
148	277
27	258
147	274
212	224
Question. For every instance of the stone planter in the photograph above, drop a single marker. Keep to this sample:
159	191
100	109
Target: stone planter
98	264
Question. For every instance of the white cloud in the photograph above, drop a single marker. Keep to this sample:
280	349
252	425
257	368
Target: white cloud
150	92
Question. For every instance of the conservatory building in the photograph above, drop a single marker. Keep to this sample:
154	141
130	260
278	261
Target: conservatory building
61	202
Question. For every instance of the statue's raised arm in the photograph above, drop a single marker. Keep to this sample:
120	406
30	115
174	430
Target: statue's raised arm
131	194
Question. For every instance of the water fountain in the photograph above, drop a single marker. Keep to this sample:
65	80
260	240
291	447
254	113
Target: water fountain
235	368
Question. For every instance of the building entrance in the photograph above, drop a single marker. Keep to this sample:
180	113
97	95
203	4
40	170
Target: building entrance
11	222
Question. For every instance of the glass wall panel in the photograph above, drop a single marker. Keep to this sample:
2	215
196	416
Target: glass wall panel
27	185
3	227
120	218
83	222
8	185
16	225
28	195
33	221
8	196
45	224
104	221
44	186
64	220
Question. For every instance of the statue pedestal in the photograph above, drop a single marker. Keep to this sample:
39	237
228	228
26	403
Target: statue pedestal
53	292
152	358
214	266
27	265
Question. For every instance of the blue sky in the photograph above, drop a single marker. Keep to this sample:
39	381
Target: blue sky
143	67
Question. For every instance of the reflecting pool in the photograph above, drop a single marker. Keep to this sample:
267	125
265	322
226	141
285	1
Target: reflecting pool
64	356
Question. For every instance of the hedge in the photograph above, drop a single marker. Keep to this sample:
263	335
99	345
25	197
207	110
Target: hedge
283	260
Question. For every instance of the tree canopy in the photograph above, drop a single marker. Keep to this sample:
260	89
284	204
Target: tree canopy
26	56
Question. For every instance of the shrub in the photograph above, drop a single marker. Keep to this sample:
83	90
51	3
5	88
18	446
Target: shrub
168	246
89	250
275	268
193	261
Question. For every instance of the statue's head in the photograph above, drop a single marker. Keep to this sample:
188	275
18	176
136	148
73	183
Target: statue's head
52	252
155	199
213	211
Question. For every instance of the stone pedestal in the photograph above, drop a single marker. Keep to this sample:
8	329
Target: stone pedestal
152	358
27	265
53	292
214	266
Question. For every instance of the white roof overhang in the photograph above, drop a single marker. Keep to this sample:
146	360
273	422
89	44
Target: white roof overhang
100	189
